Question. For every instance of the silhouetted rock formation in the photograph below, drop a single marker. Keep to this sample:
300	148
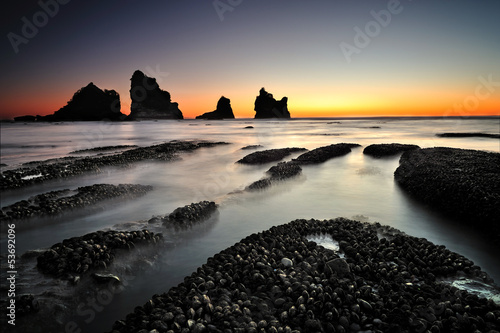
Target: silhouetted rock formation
223	111
88	104
387	149
25	118
461	183
149	101
268	107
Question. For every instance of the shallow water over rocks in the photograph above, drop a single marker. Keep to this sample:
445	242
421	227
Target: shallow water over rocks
354	185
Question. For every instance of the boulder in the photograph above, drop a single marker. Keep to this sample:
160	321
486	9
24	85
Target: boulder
322	154
149	101
223	110
387	149
268	107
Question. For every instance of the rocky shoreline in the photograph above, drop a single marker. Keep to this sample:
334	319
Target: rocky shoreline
56	202
25	176
461	183
380	280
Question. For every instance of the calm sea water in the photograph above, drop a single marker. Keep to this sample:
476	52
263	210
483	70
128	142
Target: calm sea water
353	186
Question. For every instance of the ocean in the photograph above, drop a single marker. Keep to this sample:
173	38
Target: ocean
353	186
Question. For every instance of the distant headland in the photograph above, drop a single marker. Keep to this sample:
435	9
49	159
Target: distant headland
149	101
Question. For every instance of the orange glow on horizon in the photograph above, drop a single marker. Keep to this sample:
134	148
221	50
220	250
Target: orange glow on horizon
355	105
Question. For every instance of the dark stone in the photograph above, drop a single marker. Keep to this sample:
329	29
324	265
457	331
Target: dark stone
461	183
268	107
338	267
149	101
89	104
468	135
387	149
322	154
251	147
270	155
223	111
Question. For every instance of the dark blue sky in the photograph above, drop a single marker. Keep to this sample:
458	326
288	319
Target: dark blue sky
429	56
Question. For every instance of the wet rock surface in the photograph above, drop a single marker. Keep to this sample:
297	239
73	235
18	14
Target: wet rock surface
184	217
270	155
105	148
278	281
56	202
279	172
322	154
79	255
251	147
468	135
387	149
464	184
25	176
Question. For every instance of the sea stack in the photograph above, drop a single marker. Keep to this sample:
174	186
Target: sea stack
149	101
89	103
268	107
223	110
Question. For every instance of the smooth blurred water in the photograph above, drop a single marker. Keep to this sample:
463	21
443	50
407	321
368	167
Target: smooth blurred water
353	186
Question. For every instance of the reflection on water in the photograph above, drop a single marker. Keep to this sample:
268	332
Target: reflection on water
353	186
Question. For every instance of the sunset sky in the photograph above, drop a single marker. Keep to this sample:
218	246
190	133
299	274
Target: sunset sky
330	58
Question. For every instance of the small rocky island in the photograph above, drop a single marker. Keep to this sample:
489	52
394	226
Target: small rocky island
223	111
89	103
266	106
149	101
